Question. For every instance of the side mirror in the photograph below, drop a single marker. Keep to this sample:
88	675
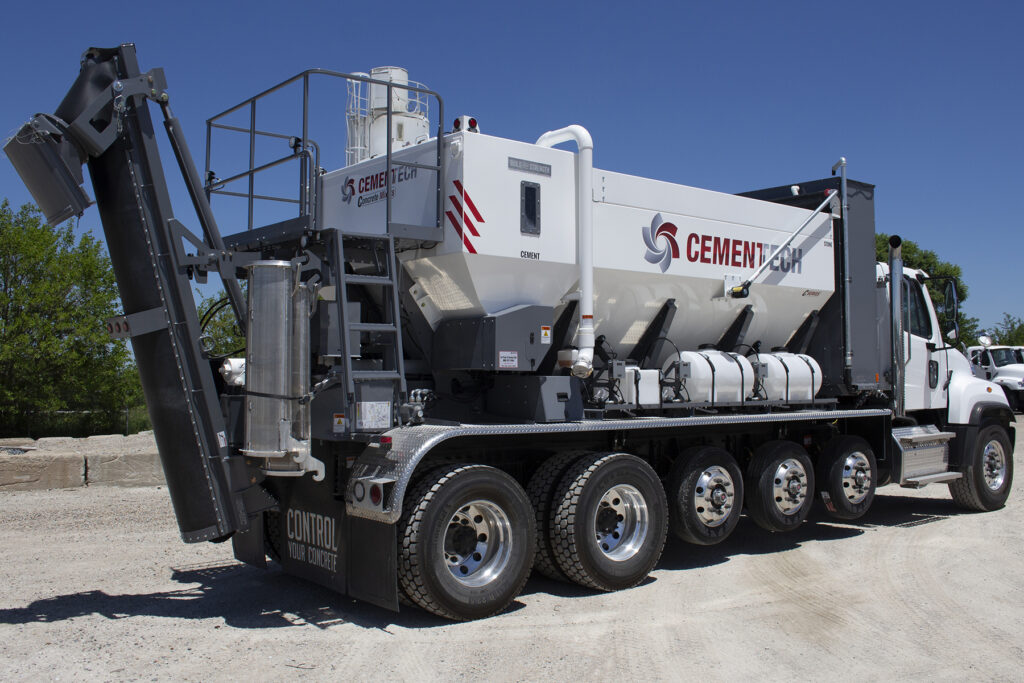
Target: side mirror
950	302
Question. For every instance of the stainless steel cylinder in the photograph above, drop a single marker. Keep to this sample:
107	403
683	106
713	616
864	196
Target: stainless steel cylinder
300	360
268	359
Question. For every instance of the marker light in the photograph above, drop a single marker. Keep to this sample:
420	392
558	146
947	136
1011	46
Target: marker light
375	494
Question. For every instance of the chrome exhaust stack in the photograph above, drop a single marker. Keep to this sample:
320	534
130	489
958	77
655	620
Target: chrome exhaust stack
896	317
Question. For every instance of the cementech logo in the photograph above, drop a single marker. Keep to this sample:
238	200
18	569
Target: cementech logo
660	238
348	190
663	244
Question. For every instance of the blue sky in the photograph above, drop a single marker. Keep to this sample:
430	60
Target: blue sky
924	99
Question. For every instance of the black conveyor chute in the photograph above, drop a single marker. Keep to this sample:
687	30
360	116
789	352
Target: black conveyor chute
134	205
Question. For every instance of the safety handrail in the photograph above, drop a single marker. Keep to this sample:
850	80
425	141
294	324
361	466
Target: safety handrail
307	194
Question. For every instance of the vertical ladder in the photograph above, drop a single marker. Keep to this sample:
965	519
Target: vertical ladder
386	281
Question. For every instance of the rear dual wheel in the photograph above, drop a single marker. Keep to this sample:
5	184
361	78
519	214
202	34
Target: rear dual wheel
608	521
466	542
541	491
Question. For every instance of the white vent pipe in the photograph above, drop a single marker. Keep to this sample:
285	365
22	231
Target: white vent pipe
584	363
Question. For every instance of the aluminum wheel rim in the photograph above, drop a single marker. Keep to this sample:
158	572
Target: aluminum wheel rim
856	477
621	522
714	495
994	464
789	486
477	543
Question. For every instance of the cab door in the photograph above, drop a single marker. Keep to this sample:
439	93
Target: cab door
925	355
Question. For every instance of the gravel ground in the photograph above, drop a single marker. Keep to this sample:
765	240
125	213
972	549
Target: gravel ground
96	586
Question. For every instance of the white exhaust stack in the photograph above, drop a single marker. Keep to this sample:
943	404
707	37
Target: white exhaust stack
584	363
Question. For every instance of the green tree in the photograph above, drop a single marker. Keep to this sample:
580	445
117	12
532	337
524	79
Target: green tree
928	261
221	336
55	293
1010	331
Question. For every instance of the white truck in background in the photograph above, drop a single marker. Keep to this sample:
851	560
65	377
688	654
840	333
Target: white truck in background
1003	365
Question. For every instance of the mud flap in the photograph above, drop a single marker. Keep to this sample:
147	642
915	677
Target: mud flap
373	562
248	545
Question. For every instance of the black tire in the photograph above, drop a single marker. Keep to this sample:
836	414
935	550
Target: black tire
471	519
540	491
615	543
847	475
988	474
779	486
705	490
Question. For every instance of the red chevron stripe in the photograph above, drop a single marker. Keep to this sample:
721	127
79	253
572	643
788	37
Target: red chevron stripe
458	207
458	228
469	202
455	202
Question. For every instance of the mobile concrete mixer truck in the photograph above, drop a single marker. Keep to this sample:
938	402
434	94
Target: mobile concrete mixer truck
469	357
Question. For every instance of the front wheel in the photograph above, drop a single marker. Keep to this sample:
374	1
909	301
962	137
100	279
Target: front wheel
988	472
609	520
466	542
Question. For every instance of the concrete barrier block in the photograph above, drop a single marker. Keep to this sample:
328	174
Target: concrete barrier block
130	469
33	471
15	442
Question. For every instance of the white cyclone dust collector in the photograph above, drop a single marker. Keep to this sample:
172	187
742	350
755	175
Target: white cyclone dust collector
366	114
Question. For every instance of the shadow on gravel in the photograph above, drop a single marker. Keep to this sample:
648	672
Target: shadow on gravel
244	597
750	539
249	598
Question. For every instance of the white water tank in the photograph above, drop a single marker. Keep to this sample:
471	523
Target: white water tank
711	376
785	376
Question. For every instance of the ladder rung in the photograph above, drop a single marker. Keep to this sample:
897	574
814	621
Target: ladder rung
372	327
367	280
367	375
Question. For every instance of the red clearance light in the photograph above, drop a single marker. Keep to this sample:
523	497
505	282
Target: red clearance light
375	494
385	441
472	123
457	124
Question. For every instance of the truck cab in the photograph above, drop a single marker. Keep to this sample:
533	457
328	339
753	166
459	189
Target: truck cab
1002	365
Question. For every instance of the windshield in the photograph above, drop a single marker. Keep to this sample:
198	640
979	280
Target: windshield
1003	357
1020	355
